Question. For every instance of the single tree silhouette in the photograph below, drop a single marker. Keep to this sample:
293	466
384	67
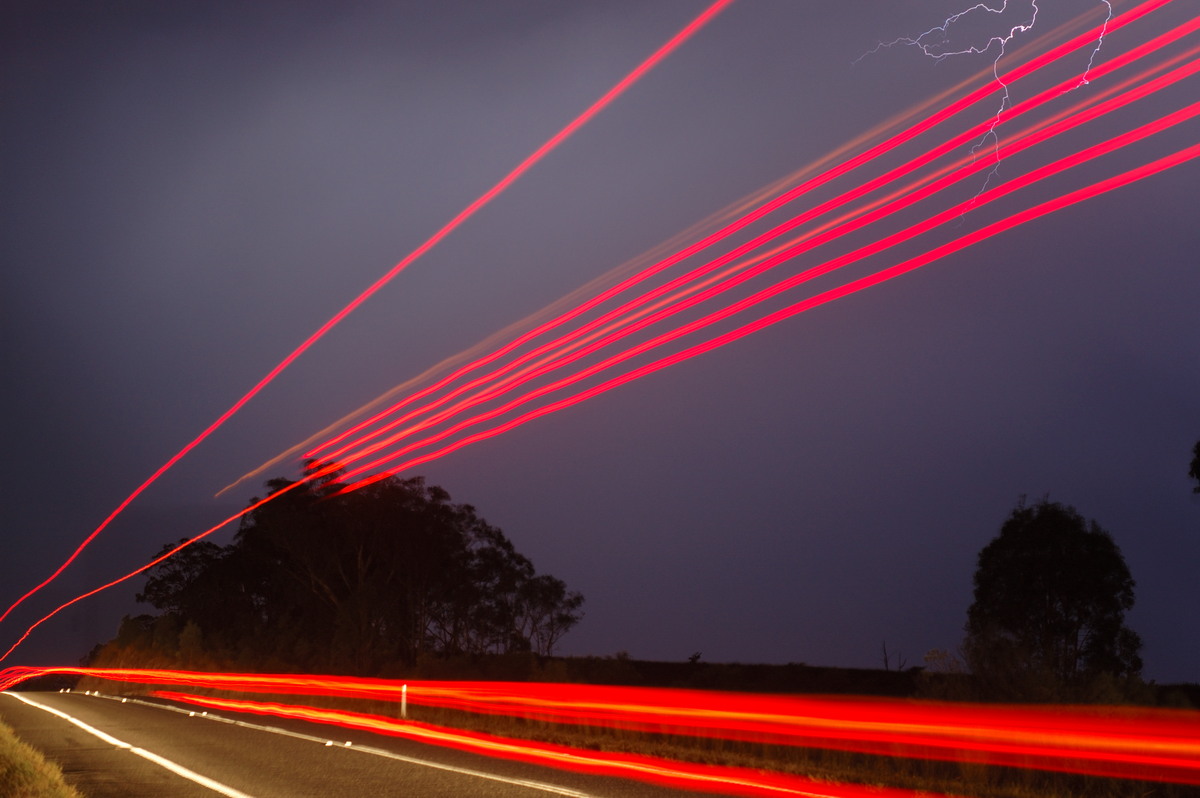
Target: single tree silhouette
1048	617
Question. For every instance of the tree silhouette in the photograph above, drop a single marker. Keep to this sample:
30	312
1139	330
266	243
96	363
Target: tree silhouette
361	581
1051	592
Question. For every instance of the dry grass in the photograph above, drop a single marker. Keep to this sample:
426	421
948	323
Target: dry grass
24	773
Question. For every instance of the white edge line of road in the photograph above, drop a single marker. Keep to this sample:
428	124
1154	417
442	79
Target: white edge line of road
366	749
178	769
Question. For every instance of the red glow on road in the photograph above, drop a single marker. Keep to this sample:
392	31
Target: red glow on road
653	770
1114	742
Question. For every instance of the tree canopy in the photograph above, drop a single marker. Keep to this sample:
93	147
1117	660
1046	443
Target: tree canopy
359	582
1048	617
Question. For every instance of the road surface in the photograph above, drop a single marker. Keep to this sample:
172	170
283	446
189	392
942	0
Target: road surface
134	749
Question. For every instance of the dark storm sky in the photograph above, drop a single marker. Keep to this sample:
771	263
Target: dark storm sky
191	188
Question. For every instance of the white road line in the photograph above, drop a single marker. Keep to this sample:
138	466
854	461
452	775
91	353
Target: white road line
365	749
178	769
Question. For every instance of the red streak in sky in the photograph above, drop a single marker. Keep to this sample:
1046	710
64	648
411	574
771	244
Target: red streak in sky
856	285
867	156
746	329
820	299
908	198
898	199
599	105
154	562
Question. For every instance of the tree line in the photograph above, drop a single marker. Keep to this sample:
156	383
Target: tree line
377	579
363	582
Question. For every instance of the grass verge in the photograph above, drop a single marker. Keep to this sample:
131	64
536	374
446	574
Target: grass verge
24	773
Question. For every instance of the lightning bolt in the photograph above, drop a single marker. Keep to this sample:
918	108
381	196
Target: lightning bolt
932	42
1083	79
932	49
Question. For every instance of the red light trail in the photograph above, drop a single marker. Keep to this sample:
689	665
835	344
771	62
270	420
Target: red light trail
612	94
653	770
881	276
1112	742
1152	745
733	210
594	335
898	199
142	569
808	304
908	197
338	454
323	451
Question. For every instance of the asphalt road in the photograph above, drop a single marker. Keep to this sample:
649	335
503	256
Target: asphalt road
266	758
